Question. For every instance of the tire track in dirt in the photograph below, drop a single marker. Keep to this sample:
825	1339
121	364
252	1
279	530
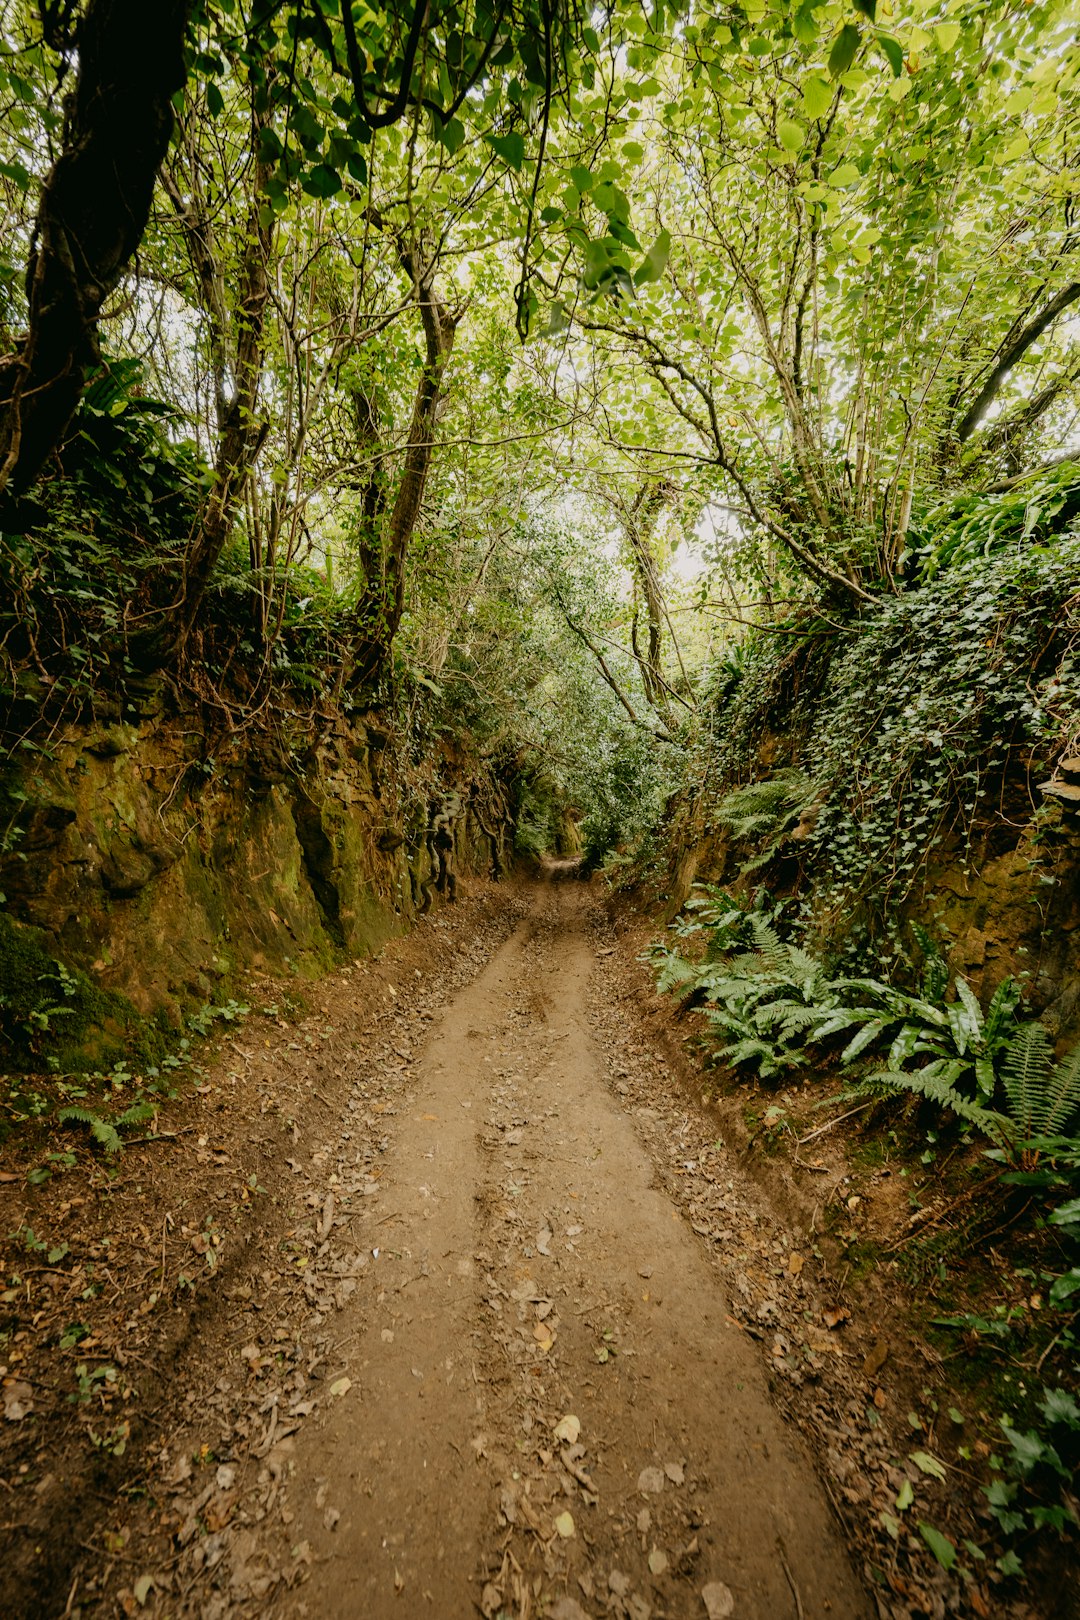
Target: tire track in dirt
549	1413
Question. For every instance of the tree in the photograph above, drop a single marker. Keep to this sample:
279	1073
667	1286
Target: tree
95	202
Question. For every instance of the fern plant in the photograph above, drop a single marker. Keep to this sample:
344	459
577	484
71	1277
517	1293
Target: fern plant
763	1001
957	1034
772	1001
936	1081
1043	1096
107	1131
767	811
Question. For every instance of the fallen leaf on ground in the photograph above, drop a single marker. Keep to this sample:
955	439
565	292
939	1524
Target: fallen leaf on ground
341	1386
568	1429
836	1318
568	1608
718	1600
18	1399
564	1524
650	1481
658	1561
674	1472
875	1359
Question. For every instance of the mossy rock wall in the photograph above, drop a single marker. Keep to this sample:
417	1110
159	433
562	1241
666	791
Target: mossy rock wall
155	877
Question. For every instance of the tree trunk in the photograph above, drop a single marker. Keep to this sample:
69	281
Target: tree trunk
639	523
382	600
240	433
91	218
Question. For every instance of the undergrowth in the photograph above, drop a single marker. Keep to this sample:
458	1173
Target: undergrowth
774	1007
911	729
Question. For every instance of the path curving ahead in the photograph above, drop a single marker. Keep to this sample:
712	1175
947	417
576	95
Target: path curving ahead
548	1411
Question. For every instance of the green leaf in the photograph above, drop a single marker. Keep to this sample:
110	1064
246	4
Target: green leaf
1065	1214
892	49
817	93
845	48
904	1497
1058	1406
985	1079
215	101
926	1464
597	262
654	263
322	181
511	148
804	24
1065	1286
16	171
792	135
867	7
941	1547
1028	1449
865	1037
451	134
946	35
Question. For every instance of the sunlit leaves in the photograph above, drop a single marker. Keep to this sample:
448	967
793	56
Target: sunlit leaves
817	94
791	134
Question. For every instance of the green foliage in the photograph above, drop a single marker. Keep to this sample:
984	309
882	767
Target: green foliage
1040	1460
937	1083
1044	1096
774	1001
762	1001
974	527
964	1047
907	724
764	812
46	1009
89	563
106	1131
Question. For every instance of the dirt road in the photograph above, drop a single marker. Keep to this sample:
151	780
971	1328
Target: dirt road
417	1307
548	1412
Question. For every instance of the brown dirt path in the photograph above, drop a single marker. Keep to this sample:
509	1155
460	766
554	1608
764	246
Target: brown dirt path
418	1306
548	1410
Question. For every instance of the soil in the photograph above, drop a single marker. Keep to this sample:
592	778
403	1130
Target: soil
454	1297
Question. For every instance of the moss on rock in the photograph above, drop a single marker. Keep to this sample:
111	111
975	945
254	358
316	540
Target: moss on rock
52	1015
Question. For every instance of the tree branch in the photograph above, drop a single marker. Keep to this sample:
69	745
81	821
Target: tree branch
1015	351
